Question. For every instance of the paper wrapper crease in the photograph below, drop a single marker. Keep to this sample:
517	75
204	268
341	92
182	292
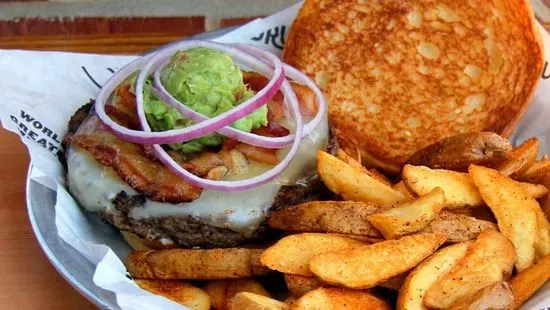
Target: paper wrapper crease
42	90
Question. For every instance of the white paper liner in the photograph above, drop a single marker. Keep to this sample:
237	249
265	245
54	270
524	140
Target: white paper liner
41	90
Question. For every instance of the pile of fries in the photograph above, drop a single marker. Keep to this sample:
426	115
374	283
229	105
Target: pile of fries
442	239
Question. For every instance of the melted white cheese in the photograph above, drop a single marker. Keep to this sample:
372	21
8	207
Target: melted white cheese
95	185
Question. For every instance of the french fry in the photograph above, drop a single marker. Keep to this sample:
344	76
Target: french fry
545	203
530	280
513	209
458	228
357	165
409	217
353	183
292	253
369	265
421	278
345	217
196	264
458	187
299	285
488	260
458	152
498	296
178	291
534	190
394	283
542	242
520	158
221	291
402	188
339	298
251	301
537	173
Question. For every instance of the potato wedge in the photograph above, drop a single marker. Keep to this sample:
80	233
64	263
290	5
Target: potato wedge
458	228
537	173
545	202
353	183
421	278
357	164
339	298
520	158
196	264
394	283
179	291
402	188
344	217
293	253
458	152
369	265
542	242
251	301
534	190
530	280
409	217
490	259
498	296
459	189
513	209
221	291
299	285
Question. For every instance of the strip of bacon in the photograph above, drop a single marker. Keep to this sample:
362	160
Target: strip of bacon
259	154
128	160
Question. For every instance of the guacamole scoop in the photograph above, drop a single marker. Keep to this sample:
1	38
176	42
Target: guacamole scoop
208	82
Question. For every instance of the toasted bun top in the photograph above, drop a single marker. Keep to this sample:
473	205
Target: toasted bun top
400	75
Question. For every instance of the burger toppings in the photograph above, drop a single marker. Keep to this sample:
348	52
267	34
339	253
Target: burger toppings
191	97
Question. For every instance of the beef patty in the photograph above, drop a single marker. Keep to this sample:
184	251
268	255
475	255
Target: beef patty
189	232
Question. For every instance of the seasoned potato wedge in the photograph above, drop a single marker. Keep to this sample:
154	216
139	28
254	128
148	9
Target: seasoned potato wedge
409	217
421	278
299	285
458	228
345	217
542	242
498	296
534	190
339	298
221	291
520	158
402	188
537	173
369	265
357	164
394	283
251	301
178	291
353	183
458	152
530	280
488	260
458	187
195	264
513	209
293	253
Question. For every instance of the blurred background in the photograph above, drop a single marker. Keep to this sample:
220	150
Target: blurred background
119	26
133	26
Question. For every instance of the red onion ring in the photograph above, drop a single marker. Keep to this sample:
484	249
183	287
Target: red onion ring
266	58
197	130
278	79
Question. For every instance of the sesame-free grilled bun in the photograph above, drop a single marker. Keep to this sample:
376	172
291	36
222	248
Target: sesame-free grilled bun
400	75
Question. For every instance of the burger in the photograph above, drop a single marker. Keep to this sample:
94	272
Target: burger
194	145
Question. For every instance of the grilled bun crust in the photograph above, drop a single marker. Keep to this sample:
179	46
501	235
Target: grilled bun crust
400	75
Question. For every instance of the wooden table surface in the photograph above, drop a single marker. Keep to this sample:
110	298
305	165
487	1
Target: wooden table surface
28	280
